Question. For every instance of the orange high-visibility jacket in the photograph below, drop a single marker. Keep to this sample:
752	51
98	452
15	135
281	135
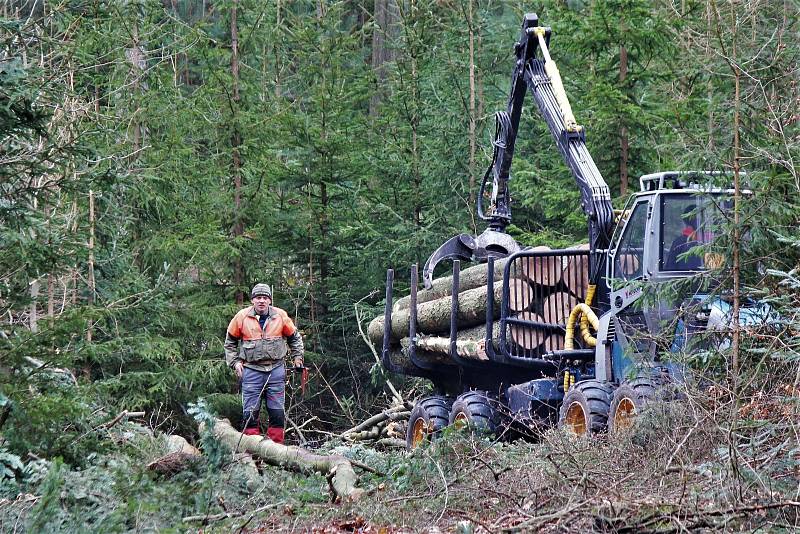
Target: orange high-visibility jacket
245	326
261	349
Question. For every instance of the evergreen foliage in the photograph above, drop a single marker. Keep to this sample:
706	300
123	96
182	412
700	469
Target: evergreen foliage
129	129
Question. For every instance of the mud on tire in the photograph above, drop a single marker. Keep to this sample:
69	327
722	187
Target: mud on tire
429	416
634	397
477	411
585	407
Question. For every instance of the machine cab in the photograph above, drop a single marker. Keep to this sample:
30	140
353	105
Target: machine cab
665	232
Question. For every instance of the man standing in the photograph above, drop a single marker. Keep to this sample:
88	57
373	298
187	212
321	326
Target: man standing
255	348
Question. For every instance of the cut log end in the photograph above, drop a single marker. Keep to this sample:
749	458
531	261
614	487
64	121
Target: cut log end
525	336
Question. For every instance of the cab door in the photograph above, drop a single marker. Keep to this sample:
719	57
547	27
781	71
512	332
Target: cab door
628	274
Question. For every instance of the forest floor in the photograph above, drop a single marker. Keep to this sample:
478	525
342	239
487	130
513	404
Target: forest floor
693	466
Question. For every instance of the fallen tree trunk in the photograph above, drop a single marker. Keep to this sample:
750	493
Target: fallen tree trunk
341	476
434	317
180	455
470	278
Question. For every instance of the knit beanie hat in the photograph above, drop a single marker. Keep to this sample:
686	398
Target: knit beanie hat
261	290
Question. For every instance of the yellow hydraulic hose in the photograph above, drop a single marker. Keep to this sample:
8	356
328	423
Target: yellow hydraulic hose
588	318
551	70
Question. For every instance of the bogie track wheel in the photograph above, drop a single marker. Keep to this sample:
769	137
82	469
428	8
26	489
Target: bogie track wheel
585	408
429	416
629	400
477	411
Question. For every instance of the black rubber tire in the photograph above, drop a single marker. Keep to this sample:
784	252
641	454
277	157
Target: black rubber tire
629	400
478	409
429	416
585	407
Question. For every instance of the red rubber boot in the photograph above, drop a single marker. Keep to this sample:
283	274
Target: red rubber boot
253	431
275	434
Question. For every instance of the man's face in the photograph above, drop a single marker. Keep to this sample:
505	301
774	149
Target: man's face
261	303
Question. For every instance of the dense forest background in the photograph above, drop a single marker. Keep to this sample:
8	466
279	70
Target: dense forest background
159	157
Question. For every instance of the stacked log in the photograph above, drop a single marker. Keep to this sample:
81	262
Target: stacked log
399	356
541	289
470	278
575	272
543	270
433	317
557	306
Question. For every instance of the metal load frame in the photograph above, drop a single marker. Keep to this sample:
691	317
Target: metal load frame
509	353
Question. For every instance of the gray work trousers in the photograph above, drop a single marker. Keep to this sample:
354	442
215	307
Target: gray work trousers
269	386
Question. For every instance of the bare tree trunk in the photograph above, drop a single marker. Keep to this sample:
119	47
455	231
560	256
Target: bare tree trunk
737	74
710	83
236	141
378	53
472	140
385	19
91	281
51	282
135	55
623	130
33	319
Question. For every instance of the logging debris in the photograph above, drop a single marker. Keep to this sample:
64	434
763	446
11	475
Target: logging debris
384	430
337	469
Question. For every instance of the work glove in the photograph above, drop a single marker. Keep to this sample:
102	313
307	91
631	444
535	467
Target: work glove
238	368
298	361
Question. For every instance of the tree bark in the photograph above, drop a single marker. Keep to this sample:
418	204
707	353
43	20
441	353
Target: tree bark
470	349
623	130
434	316
33	318
470	278
236	141
341	476
398	354
91	281
385	19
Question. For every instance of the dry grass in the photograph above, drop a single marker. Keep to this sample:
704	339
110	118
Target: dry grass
711	462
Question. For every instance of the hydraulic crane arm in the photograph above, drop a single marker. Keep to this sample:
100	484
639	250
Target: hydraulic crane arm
540	76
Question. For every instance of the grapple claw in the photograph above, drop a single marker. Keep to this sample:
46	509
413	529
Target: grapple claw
468	248
460	247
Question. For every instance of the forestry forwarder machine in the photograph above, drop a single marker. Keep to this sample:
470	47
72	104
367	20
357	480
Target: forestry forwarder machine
598	381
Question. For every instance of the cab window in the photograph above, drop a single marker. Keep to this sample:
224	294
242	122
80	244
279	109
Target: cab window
629	259
687	223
